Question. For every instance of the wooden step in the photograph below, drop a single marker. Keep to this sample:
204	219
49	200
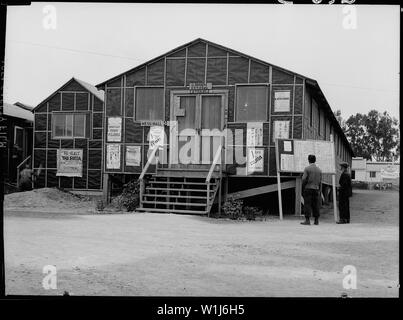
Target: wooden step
178	182
179	189
173	196
175	203
172	211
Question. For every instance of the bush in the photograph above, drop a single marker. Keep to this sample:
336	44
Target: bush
130	196
252	212
233	208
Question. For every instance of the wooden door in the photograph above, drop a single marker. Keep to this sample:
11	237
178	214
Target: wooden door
196	134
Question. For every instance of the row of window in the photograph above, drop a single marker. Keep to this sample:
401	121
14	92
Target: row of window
251	103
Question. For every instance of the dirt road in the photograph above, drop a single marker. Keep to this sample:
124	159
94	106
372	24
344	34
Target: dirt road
176	255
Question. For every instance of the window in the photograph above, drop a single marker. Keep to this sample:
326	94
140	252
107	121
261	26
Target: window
19	136
372	174
282	101
251	103
68	125
149	103
353	174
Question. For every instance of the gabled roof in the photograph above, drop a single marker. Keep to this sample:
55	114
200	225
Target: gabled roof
199	40
312	82
16	111
90	88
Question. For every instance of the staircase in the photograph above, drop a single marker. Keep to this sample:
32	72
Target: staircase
178	190
190	189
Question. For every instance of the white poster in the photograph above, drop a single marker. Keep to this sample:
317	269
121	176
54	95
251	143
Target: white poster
115	129
287	146
254	134
70	162
133	156
156	136
281	130
282	101
255	160
113	156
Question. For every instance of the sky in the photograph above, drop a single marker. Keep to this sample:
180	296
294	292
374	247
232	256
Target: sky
357	68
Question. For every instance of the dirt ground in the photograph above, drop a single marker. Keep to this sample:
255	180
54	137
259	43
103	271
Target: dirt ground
145	254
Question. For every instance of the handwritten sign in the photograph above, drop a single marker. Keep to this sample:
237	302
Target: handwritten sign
281	130
115	129
282	101
69	162
113	156
196	87
133	156
254	134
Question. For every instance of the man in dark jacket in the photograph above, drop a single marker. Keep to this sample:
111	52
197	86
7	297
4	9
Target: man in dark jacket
345	192
311	186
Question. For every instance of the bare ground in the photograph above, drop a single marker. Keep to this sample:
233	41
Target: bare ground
146	254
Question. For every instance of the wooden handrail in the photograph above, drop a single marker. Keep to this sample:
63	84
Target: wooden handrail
216	157
150	159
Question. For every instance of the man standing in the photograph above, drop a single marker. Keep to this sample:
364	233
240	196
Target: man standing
311	186
345	192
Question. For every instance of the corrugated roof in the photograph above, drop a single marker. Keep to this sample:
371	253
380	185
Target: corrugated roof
16	111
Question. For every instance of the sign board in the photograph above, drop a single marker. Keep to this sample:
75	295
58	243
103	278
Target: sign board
114	129
293	155
390	172
113	156
156	136
133	156
254	134
281	101
281	129
196	87
70	162
255	160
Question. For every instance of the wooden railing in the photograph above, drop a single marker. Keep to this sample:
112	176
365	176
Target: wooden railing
141	177
217	157
19	167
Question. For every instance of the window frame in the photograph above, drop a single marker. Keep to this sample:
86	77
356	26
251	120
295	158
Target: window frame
268	92
374	174
135	102
87	135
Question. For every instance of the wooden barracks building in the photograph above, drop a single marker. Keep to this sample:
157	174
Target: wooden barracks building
202	87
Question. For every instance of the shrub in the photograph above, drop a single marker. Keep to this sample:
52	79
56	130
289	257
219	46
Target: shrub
252	212
233	208
130	196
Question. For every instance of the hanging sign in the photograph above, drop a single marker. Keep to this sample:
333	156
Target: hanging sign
115	129
156	136
133	156
255	160
69	162
113	156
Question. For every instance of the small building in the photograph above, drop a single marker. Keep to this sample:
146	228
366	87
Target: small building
68	138
18	119
192	94
374	172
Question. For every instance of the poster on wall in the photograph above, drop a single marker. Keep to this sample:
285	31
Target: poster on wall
115	129
69	162
113	156
254	134
156	136
282	101
281	130
133	156
255	160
